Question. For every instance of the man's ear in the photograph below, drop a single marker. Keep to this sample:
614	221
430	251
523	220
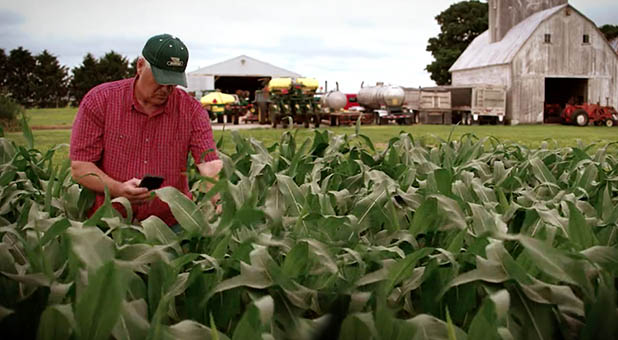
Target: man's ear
141	64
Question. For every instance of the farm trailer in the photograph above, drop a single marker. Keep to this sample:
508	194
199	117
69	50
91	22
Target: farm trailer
431	105
465	104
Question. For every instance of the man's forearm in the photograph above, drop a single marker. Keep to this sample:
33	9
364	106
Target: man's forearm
90	176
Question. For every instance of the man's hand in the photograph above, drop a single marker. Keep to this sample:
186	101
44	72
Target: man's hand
131	190
211	169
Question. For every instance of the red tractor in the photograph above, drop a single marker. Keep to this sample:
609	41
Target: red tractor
581	115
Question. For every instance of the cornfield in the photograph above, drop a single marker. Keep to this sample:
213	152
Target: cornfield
326	238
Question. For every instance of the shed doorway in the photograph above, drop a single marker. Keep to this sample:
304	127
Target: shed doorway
233	84
562	91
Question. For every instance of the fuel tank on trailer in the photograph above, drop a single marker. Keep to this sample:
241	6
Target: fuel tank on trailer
374	97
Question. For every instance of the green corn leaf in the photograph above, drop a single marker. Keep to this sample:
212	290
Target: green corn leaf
292	194
490	317
158	232
558	264
486	270
7	150
602	319
451	327
580	233
54	231
606	257
358	326
587	179
249	327
444	181
186	212
57	323
99	306
4	312
427	327
91	246
296	261
133	323
425	218
560	295
104	211
213	327
249	276
452	213
403	269
25	128
160	279
486	221
191	330
536	319
542	173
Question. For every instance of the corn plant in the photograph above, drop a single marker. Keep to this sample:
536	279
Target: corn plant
327	237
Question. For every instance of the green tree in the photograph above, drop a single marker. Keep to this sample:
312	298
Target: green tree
610	31
459	24
84	78
20	80
4	59
113	66
51	86
92	72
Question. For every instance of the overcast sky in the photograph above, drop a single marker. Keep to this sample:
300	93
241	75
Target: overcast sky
345	41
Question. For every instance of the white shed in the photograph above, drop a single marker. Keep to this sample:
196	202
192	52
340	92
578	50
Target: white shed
240	73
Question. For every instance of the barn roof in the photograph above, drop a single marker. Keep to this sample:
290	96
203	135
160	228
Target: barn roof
481	52
614	44
244	66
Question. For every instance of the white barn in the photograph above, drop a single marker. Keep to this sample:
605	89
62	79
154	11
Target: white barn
614	44
544	52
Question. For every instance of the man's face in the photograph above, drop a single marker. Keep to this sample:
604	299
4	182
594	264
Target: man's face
153	92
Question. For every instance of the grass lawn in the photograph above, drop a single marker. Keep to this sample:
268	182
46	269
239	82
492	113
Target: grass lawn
528	135
531	136
51	117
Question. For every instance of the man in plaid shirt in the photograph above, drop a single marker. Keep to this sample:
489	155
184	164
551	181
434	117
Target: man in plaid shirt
143	125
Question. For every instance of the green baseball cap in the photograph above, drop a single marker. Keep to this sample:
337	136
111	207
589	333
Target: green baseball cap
168	57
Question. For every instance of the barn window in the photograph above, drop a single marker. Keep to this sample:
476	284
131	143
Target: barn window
586	39
547	38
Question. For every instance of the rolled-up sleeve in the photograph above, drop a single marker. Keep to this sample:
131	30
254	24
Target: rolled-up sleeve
203	147
87	133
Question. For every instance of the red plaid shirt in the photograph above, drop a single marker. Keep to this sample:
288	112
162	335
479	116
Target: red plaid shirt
112	131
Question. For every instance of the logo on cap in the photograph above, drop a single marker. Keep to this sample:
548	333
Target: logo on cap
175	61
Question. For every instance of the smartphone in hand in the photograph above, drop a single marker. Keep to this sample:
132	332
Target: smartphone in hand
151	182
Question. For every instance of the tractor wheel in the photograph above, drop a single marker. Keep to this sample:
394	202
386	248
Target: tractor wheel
609	123
316	120
580	117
